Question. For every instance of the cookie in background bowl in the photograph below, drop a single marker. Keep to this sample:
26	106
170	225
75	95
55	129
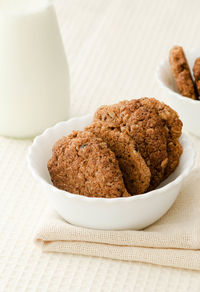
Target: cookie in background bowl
196	73
185	105
181	72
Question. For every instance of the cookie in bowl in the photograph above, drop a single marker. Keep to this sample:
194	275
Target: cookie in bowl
181	72
155	128
83	164
179	77
129	149
136	173
110	213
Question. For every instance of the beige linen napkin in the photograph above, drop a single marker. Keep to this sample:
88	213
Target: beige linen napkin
173	241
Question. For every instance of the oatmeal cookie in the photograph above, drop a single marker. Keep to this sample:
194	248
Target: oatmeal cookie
83	164
196	72
136	173
173	129
181	72
142	123
145	126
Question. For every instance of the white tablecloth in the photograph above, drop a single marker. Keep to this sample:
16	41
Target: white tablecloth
113	48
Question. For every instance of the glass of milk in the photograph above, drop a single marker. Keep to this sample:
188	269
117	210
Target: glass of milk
34	76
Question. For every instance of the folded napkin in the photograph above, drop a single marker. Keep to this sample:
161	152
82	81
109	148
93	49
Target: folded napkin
173	241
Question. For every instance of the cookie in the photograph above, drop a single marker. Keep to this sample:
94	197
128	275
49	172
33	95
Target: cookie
181	72
196	72
145	126
142	123
136	173
83	164
173	129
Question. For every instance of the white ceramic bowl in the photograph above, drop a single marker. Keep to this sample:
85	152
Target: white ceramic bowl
187	108
134	212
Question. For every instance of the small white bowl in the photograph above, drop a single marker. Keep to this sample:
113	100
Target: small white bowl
187	108
134	212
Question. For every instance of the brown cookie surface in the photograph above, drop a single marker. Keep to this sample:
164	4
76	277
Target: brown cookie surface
83	164
136	173
181	72
154	127
196	72
144	125
173	129
141	122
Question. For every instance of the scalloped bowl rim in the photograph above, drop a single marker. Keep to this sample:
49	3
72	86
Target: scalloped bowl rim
144	196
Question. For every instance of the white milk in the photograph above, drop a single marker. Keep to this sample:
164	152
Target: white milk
34	78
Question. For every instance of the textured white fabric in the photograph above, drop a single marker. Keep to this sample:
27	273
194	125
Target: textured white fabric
173	241
113	49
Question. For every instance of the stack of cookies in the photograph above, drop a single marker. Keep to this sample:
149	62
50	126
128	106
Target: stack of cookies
181	71
129	149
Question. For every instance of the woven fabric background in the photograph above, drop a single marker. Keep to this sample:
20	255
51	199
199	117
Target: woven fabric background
113	48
